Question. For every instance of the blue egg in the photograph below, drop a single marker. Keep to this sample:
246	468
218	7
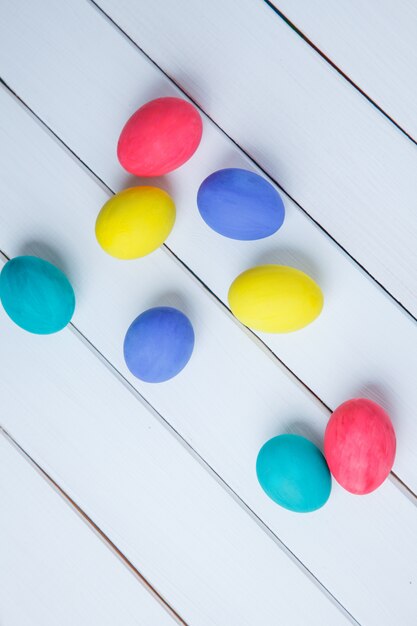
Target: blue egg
36	295
293	472
240	204
158	344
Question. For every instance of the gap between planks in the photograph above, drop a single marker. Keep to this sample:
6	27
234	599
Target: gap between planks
106	186
196	456
332	64
93	526
252	160
399	484
189	448
181	263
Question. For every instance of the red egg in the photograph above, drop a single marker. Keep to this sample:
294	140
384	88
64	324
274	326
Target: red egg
359	445
162	135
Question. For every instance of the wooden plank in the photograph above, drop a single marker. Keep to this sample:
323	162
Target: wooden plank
373	43
332	151
98	79
226	403
53	569
165	512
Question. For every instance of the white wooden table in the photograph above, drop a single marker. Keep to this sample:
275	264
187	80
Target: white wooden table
129	503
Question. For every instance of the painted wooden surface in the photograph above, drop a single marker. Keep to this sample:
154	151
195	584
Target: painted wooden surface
340	158
85	76
236	408
146	492
53	569
371	42
200	529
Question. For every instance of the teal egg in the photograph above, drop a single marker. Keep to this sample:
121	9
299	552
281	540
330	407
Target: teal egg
36	295
293	472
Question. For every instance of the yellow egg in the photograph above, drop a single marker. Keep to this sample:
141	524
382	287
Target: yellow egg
275	299
135	222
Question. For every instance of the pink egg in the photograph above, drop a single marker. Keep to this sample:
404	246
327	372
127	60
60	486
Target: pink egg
359	445
162	135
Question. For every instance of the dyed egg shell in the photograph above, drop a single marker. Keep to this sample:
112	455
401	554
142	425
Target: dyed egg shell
36	295
135	222
162	135
240	204
275	299
359	445
158	344
293	473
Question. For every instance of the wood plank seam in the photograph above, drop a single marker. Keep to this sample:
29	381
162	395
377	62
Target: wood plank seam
93	527
328	60
401	485
69	139
194	453
256	164
136	393
189	271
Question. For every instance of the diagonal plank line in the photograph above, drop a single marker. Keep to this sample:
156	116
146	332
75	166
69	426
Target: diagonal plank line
111	190
255	163
401	485
53	133
197	456
104	184
328	60
175	257
94	527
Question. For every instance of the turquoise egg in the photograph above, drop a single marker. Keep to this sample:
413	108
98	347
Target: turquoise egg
293	472
36	295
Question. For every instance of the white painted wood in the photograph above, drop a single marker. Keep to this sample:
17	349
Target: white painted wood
340	158
53	569
362	344
373	42
181	529
226	403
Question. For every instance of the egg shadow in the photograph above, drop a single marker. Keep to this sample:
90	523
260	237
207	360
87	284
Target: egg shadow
298	427
163	182
180	90
45	251
160	88
175	300
237	158
234	159
377	393
293	258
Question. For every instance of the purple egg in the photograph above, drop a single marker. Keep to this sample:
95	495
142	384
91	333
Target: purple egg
158	344
240	204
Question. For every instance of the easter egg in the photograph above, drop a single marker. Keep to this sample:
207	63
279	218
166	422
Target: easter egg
293	473
162	135
275	299
36	295
135	222
359	445
240	204
158	344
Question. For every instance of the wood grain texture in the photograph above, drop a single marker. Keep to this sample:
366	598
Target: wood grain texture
373	43
226	403
53	569
361	345
361	534
330	149
181	529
